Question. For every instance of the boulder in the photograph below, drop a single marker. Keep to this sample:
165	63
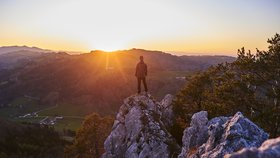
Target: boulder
220	136
269	149
138	131
196	134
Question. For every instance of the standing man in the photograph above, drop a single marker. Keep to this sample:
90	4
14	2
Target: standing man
141	73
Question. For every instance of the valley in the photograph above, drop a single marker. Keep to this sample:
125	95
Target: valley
40	84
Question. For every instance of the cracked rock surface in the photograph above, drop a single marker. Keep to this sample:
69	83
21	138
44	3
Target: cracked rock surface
139	132
220	136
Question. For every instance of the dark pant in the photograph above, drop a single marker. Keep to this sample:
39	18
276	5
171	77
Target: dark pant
139	79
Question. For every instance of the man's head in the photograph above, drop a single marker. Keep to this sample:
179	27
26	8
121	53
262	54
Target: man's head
141	58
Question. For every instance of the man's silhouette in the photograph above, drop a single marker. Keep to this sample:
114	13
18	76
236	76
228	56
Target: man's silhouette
141	73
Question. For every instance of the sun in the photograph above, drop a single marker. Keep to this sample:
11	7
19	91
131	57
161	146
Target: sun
108	47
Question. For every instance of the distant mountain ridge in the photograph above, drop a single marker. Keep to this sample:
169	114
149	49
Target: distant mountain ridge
14	59
167	61
8	49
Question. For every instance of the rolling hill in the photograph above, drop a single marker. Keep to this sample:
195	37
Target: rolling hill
92	82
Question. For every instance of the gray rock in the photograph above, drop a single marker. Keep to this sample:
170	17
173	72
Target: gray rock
196	134
223	135
139	132
269	149
167	111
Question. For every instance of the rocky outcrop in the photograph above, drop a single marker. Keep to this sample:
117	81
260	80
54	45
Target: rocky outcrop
220	136
167	111
269	149
139	132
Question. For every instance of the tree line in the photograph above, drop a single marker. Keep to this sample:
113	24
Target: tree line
251	84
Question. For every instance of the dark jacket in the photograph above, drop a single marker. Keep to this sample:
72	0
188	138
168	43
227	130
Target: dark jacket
141	70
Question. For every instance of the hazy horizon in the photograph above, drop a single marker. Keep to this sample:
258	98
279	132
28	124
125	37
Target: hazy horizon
179	27
177	53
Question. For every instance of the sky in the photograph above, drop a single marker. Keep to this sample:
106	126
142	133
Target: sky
212	27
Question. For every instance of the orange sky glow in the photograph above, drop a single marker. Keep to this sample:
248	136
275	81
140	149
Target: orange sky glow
215	27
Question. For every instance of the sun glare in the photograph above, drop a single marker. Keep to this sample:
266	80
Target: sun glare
108	47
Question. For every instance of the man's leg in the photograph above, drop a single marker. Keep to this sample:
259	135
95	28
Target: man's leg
139	84
145	84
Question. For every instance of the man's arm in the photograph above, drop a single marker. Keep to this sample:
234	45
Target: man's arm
136	71
146	69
